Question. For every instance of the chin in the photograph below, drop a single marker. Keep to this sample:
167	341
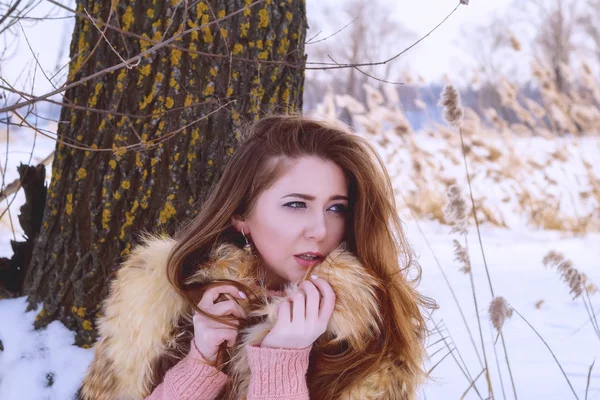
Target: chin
294	277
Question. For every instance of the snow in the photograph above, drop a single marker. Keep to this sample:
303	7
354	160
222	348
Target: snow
31	359
515	263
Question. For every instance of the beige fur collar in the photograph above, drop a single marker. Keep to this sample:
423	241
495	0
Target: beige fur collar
137	329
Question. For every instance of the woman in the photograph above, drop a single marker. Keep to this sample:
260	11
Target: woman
290	283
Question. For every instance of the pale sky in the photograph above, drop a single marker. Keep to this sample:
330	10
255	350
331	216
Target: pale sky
438	54
441	52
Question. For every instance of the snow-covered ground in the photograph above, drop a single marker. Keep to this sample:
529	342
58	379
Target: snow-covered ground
31	360
517	273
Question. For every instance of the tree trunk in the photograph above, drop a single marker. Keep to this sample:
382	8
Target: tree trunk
169	124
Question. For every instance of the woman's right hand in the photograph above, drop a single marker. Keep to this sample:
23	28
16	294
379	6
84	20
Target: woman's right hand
210	334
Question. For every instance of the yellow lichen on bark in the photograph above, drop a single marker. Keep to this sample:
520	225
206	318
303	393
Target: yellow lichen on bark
263	18
81	174
208	36
128	18
175	57
167	212
69	205
237	49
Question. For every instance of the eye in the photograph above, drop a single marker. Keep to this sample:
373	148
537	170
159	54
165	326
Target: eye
294	204
341	208
337	208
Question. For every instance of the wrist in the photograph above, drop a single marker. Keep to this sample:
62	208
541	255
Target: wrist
289	345
209	359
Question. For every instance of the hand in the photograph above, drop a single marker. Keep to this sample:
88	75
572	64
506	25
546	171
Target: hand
301	323
210	334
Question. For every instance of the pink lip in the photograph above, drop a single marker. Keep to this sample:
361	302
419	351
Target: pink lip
307	264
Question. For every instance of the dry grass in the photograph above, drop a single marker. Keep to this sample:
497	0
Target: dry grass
520	173
554	187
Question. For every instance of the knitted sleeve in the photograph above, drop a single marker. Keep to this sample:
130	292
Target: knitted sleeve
278	374
190	379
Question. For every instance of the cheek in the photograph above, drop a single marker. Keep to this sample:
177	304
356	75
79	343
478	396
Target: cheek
338	229
277	227
272	236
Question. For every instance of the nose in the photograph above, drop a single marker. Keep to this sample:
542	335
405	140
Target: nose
316	227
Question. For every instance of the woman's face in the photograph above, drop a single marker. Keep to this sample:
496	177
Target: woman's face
305	210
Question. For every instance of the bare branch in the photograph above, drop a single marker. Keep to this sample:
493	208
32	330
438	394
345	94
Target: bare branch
333	34
122	64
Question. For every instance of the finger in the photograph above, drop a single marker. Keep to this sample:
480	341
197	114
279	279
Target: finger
209	323
213	293
228	335
228	307
284	312
328	298
299	306
313	298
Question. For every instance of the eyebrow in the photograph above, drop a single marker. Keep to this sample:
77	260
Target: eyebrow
310	198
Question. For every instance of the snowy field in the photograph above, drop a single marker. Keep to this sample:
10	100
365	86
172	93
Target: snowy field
515	263
45	364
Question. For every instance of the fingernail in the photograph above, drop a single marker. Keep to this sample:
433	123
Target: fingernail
313	277
242	294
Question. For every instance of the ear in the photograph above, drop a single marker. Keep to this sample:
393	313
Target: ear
239	224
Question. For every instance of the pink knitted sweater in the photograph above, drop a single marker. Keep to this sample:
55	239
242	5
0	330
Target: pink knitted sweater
275	374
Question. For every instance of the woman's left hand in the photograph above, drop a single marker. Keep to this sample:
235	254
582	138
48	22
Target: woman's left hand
302	319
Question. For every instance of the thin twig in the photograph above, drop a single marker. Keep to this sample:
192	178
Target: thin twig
497	361
439	331
168	43
333	34
590	318
37	61
474	293
465	371
154	114
400	53
438	350
437	341
3	180
472	385
122	64
587	387
369	75
592	312
439	362
549	349
128	66
136	146
439	265
512	381
474	210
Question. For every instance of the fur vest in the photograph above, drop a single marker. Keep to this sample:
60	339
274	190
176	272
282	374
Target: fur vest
139	335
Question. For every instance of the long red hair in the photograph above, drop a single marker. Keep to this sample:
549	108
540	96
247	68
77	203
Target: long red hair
374	235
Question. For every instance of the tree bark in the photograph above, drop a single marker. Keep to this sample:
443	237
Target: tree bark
169	111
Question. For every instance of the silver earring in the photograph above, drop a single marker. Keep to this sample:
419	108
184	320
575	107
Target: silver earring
248	246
